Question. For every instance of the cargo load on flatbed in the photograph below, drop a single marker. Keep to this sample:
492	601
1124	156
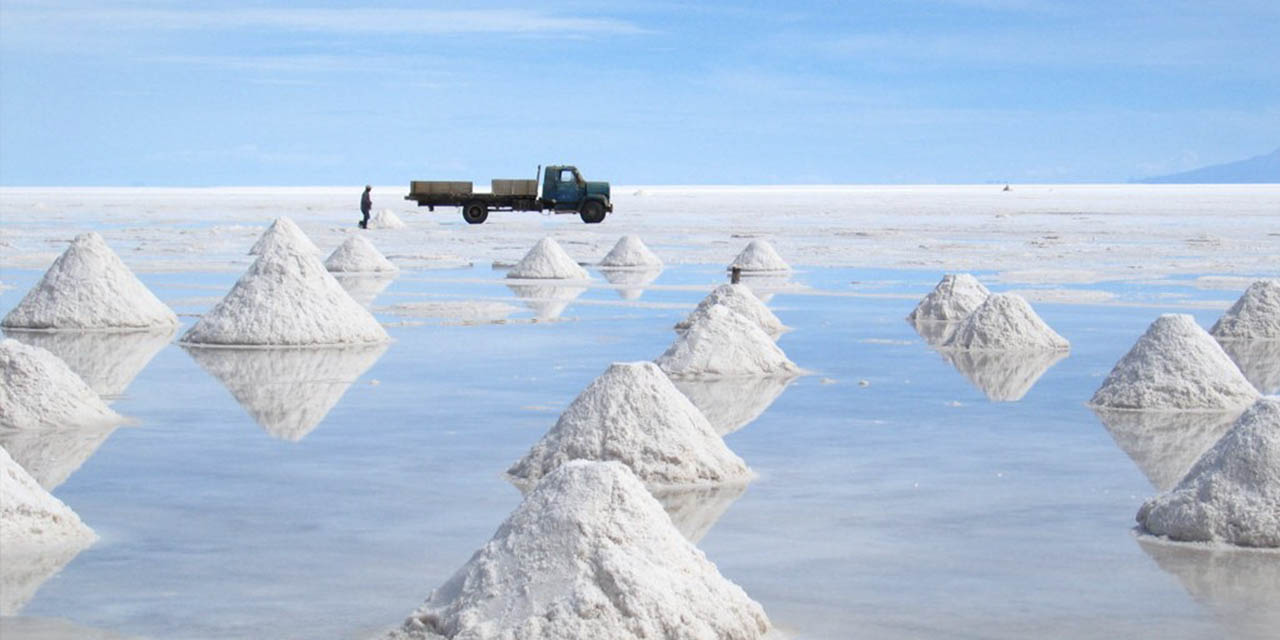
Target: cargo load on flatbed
562	191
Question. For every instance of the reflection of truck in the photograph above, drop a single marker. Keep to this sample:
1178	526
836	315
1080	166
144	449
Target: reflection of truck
563	191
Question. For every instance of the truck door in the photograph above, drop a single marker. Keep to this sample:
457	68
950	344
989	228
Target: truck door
569	189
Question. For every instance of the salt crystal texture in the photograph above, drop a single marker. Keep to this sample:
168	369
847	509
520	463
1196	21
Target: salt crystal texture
358	255
740	299
286	298
724	343
1005	321
41	392
954	297
1175	365
284	233
88	287
1255	316
1232	494
385	219
634	415
759	255
630	252
588	554
547	260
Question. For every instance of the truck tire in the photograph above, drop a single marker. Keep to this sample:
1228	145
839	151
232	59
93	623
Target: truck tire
592	212
475	212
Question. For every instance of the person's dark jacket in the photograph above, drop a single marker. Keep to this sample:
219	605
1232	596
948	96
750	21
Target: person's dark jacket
366	203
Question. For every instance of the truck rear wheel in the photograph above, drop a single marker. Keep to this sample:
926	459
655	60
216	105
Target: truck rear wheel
475	212
592	212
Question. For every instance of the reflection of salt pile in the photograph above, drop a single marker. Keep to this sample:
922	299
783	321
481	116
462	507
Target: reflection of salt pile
1164	444
455	311
106	360
694	510
1255	316
951	300
284	233
634	415
38	535
1175	365
41	392
630	252
364	287
1240	586
739	299
1004	321
52	454
732	403
1259	361
547	260
1004	376
286	298
288	391
358	255
1232	493
588	554
88	287
934	334
759	255
631	282
547	301
54	629
385	219
723	343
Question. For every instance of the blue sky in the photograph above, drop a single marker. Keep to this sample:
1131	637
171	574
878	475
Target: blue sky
943	91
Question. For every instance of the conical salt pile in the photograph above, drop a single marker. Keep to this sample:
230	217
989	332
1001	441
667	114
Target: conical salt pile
1255	316
41	392
1232	494
286	233
630	252
286	298
954	297
88	287
1175	365
385	219
634	415
724	344
740	299
547	260
1004	321
588	554
358	255
759	255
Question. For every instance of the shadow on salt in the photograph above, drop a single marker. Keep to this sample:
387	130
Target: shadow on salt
630	283
730	404
1239	586
547	301
288	391
1259	361
1164	444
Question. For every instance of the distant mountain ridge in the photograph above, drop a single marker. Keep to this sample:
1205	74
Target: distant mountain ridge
1258	169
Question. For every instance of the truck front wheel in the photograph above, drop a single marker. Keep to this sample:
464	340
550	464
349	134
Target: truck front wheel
592	212
475	213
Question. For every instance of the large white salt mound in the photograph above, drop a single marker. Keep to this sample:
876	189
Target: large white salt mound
740	299
88	287
1175	365
31	519
284	233
547	260
724	343
358	255
759	255
1256	315
954	297
1232	493
39	391
588	554
634	415
1005	321
630	251
286	298
385	219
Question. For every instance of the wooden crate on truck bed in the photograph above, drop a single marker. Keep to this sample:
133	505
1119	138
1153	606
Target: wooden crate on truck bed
441	187
501	187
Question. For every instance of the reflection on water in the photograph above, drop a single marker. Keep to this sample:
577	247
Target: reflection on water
21	574
52	455
1164	444
107	361
934	333
287	391
1004	376
1240	586
732	403
365	287
764	286
695	510
630	283
1259	360
547	301
28	628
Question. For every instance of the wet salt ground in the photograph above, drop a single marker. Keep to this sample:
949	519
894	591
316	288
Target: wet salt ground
912	507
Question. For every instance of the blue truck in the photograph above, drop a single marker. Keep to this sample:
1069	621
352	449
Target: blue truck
562	191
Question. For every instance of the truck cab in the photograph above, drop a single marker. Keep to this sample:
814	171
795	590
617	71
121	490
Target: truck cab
564	190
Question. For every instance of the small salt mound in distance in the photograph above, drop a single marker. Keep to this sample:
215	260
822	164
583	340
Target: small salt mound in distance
724	343
286	233
759	255
1175	365
547	260
88	287
1005	321
634	415
630	252
589	553
1232	494
286	298
41	392
358	255
1255	316
954	297
385	219
740	299
32	521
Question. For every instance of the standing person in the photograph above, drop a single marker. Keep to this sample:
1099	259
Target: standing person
366	203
